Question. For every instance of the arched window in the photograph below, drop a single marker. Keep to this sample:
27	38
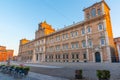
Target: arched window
93	12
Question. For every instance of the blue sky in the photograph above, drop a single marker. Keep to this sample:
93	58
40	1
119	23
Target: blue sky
19	18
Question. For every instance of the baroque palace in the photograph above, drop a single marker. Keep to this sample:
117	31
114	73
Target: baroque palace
88	41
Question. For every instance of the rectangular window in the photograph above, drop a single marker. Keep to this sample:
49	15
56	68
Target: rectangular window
102	41
66	56
83	44
72	34
99	12
67	35
63	36
84	56
83	31
58	56
58	47
63	46
72	45
57	38
77	45
66	46
88	29
37	57
76	33
100	26
77	56
46	56
51	40
73	56
93	12
90	43
63	56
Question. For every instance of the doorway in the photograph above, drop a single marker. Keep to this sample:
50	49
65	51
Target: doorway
97	57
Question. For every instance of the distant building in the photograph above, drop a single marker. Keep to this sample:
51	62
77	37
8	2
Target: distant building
5	54
15	58
26	48
88	41
117	44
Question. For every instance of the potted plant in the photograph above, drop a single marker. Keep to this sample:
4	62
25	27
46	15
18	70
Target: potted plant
26	70
103	74
78	74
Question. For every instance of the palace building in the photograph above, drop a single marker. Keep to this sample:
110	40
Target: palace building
90	40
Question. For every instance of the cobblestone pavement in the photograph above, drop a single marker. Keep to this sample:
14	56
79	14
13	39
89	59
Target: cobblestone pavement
31	76
66	71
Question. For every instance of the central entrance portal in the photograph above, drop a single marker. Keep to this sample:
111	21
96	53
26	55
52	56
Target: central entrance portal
97	57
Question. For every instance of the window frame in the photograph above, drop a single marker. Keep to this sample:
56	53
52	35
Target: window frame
102	40
83	31
98	11
90	42
83	44
89	29
100	26
93	12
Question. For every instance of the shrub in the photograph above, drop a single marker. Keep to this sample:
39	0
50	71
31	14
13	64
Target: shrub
78	74
26	70
103	74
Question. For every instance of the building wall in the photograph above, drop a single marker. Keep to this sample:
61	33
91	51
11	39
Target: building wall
10	54
5	54
94	35
26	50
117	45
88	41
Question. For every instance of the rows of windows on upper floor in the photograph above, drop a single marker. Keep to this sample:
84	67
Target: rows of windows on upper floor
65	56
27	52
93	13
26	47
40	42
74	34
41	49
76	45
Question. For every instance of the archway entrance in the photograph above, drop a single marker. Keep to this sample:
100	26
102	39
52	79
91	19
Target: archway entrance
97	57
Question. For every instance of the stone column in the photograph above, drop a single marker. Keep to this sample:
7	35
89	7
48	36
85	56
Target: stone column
34	57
